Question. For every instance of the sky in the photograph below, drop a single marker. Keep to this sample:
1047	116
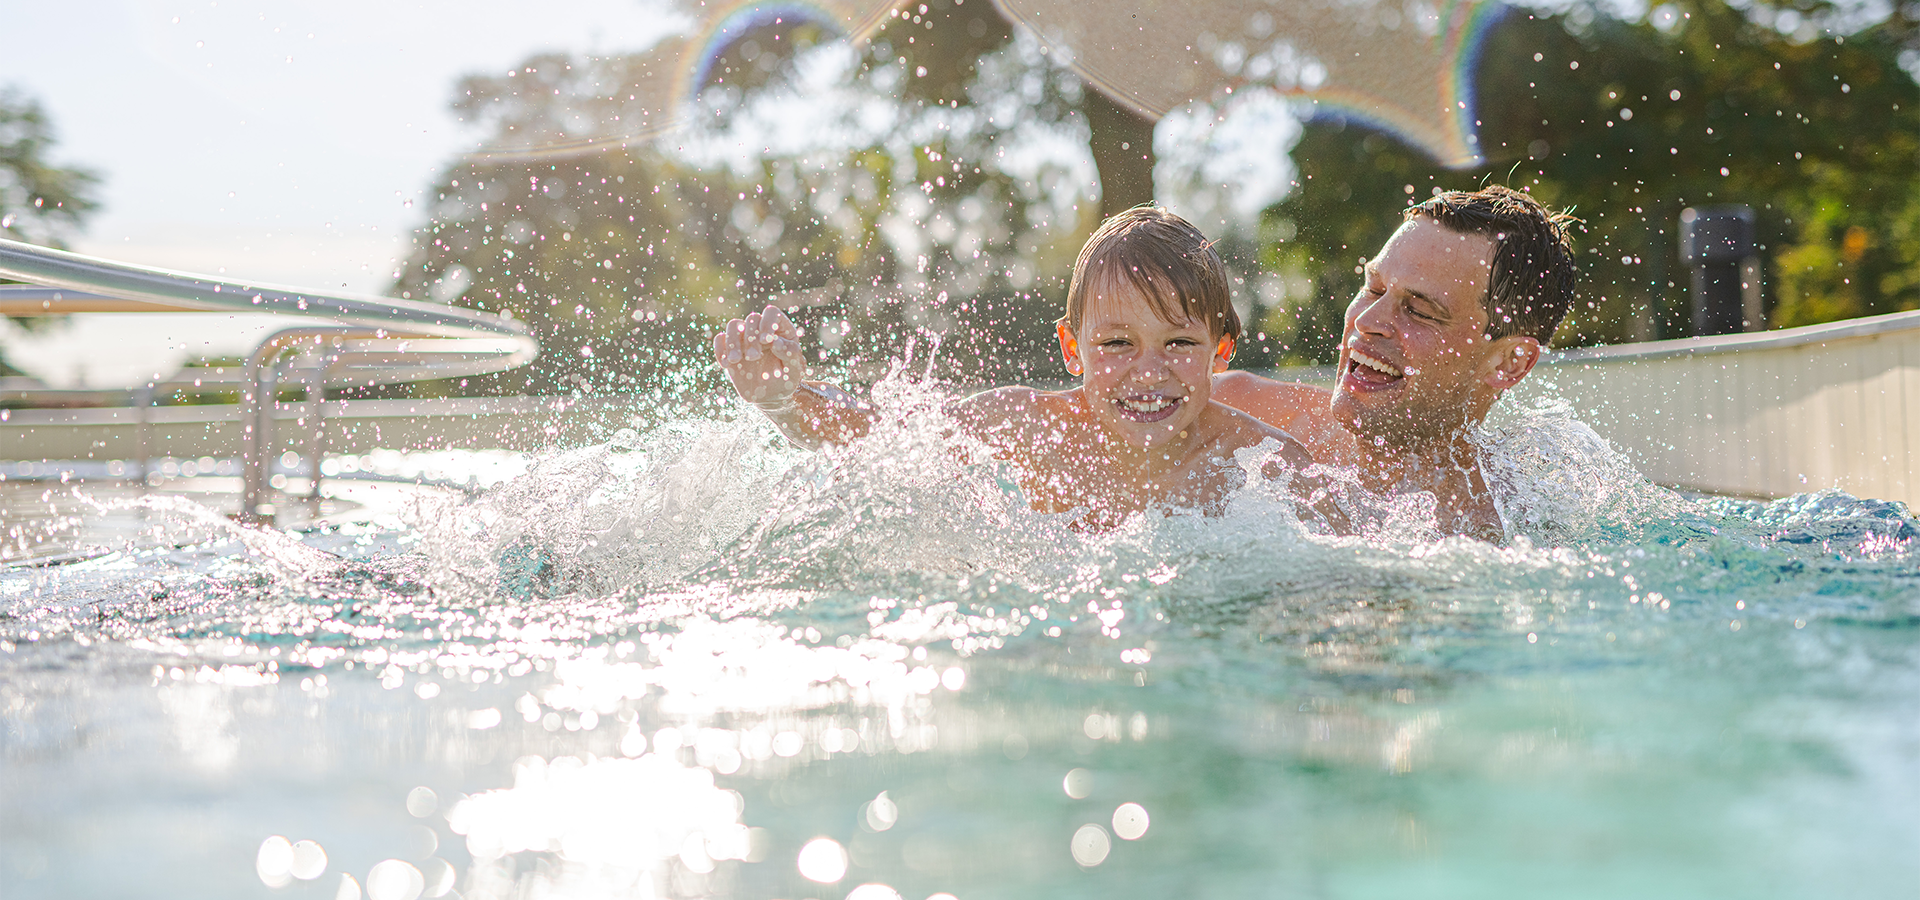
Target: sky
283	141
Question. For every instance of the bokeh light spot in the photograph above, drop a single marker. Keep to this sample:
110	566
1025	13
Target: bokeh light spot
1130	821
823	860
1090	845
1078	784
274	862
394	879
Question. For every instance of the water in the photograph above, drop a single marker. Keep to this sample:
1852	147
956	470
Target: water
663	666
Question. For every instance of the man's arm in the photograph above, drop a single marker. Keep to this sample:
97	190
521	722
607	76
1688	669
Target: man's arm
761	356
1302	410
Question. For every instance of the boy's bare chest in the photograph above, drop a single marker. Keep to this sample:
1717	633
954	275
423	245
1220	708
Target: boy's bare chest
1070	476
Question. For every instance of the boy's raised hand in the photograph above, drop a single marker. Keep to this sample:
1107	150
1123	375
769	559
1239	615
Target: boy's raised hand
761	354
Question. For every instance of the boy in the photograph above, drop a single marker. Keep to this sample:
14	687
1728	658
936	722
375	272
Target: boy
1148	323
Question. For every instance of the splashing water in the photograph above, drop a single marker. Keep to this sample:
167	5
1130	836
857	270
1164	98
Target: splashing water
673	664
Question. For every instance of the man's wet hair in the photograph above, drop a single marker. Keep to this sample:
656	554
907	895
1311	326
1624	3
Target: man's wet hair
1531	288
1163	257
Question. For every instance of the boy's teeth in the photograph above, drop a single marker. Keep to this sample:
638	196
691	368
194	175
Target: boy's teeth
1374	364
1151	405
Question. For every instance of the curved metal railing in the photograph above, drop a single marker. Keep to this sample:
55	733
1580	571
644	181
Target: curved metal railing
359	339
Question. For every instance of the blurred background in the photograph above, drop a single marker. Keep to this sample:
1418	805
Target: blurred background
916	177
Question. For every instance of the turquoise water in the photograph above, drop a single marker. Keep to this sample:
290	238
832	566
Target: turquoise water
662	666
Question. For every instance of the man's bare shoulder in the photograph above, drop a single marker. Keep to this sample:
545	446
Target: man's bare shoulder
1301	410
1266	399
1231	429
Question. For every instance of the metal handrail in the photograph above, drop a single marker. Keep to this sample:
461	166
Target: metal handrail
366	339
95	281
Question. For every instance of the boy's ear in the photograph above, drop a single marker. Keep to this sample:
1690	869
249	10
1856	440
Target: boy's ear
1512	357
1223	354
1069	348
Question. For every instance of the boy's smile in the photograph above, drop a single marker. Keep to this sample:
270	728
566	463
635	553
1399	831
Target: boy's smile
1144	379
1148	407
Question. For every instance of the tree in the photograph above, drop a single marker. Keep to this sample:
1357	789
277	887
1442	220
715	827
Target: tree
40	203
622	261
1629	122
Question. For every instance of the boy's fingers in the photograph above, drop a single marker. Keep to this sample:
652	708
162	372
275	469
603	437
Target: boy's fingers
778	323
788	352
786	329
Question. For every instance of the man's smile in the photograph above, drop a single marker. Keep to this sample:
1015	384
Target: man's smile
1367	371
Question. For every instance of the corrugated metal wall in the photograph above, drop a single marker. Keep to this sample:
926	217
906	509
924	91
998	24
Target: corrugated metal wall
1771	414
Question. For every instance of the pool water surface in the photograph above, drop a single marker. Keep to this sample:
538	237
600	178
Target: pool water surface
673	664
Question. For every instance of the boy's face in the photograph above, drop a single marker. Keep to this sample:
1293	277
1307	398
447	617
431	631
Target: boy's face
1146	380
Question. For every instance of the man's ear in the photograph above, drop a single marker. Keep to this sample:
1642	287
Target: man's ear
1223	354
1510	359
1069	348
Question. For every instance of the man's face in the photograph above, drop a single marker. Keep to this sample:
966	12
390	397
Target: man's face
1415	362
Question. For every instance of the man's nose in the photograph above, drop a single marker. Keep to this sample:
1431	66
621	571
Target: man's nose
1373	316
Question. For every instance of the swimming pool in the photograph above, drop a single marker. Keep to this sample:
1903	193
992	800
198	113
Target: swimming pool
668	665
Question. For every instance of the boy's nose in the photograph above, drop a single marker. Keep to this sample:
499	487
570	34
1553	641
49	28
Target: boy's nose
1151	368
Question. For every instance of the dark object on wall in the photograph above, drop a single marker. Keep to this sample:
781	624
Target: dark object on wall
1714	242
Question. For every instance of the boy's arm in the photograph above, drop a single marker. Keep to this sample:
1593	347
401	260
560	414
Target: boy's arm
761	356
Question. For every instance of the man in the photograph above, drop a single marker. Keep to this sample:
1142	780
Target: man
1454	311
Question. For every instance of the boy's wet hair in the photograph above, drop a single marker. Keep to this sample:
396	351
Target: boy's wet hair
1163	257
1531	288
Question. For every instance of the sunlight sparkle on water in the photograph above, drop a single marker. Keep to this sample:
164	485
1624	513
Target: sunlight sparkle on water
631	813
822	860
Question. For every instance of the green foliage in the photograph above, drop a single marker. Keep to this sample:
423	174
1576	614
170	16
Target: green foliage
40	203
1629	123
916	230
